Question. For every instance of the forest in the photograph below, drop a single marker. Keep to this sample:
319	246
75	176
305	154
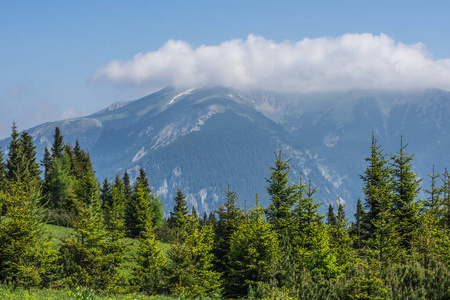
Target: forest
119	244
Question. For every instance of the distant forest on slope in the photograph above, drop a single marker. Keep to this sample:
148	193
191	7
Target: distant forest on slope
398	246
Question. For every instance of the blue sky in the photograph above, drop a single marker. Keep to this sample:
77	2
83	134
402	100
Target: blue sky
56	56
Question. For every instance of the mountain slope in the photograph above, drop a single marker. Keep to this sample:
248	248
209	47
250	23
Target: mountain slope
201	140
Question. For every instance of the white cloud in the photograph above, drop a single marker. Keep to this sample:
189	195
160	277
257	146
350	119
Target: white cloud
351	61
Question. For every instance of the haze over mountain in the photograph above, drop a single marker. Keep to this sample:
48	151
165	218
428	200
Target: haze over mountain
202	139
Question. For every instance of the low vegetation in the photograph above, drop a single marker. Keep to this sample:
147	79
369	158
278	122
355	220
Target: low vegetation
66	236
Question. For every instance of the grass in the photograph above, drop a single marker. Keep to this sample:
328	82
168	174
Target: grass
7	292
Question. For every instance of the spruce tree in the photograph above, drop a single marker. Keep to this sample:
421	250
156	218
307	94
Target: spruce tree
92	257
180	211
47	163
444	213
26	255
357	229
230	217
433	201
31	170
105	194
190	262
150	262
376	180
58	144
14	163
282	196
331	217
2	172
254	254
138	211
405	190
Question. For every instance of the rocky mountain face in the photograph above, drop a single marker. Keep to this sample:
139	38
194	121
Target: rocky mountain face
202	140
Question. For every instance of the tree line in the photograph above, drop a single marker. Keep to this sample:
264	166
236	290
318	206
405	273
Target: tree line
398	246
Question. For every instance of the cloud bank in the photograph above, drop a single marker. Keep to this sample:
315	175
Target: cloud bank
351	61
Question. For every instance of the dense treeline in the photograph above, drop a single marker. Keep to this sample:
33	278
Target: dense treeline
398	246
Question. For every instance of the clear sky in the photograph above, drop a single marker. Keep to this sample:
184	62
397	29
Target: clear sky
57	57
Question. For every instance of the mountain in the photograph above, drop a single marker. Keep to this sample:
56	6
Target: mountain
202	140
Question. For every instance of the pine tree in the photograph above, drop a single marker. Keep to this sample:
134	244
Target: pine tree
91	257
190	262
254	254
31	170
2	172
47	163
357	229
58	144
105	194
26	255
150	262
405	190
385	242
230	217
14	163
376	182
331	217
138	209
445	206
60	182
282	196
433	202
114	209
180	211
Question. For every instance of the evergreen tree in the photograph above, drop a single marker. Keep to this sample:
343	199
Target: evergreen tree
114	208
444	213
376	180
156	211
58	144
357	229
385	242
127	187
60	183
2	172
14	163
331	217
405	190
138	211
26	255
180	211
282	196
91	257
254	254
433	202
310	240
47	163
150	263
31	171
105	194
230	217
190	262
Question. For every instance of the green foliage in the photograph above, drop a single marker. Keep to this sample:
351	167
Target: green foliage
92	257
190	262
178	217
405	189
138	212
26	257
377	185
254	253
150	262
58	144
282	196
230	217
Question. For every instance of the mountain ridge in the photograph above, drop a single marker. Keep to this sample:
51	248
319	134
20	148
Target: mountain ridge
202	139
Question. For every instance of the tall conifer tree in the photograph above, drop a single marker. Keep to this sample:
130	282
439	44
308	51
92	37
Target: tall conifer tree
405	190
